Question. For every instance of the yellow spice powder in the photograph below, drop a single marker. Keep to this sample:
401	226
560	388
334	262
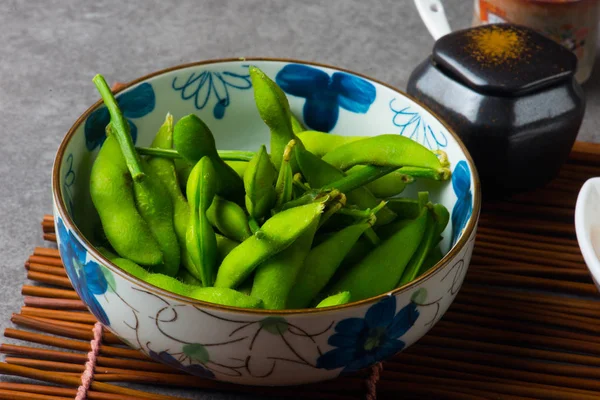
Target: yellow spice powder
496	45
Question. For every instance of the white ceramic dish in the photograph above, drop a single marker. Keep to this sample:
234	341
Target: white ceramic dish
261	347
587	226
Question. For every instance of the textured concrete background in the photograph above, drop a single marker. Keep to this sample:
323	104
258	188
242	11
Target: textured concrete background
51	50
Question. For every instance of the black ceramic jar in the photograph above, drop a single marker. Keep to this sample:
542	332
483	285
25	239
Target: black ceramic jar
511	96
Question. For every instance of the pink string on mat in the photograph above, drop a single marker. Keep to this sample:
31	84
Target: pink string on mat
90	366
372	380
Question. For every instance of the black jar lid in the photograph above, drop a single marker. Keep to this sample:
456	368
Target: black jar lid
503	59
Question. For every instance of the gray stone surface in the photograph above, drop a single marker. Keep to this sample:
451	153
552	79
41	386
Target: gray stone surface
51	49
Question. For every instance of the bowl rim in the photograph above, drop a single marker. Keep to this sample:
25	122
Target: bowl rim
60	206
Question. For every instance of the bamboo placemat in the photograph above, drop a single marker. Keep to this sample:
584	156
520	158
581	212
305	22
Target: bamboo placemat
524	325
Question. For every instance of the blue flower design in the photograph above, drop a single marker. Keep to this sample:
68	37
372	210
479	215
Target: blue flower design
194	369
87	278
135	103
325	95
463	208
421	132
363	342
201	87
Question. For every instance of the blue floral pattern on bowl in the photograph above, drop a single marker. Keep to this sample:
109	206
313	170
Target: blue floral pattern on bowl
203	86
463	208
135	103
414	126
325	95
361	342
89	278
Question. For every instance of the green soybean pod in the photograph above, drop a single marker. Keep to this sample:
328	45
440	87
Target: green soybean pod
414	265
224	247
238	166
164	170
321	143
335	300
321	264
157	209
297	126
274	278
383	150
320	174
274	109
182	169
276	234
379	272
193	140
187	278
388	185
229	218
433	258
200	238
259	181
110	180
225	297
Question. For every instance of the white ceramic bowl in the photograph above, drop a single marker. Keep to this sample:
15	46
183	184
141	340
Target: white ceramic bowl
587	226
261	347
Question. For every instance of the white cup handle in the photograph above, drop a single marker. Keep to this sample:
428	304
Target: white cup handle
433	16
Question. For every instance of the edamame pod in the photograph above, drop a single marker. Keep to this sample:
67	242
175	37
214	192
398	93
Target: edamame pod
275	278
157	209
276	234
378	273
187	278
259	180
274	109
404	207
201	241
110	180
224	247
427	242
433	258
321	263
238	166
194	140
320	174
321	143
384	150
335	300
164	170
388	185
297	126
229	218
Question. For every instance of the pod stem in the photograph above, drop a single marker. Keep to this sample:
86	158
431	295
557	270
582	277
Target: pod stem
119	127
440	174
158	152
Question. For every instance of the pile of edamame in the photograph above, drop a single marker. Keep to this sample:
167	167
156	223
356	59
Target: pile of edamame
317	222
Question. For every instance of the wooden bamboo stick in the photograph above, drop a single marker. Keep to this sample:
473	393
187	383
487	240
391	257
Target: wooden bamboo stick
46	260
528	225
62	330
78	358
531	297
64	379
542	255
28	290
73	316
59	391
450	328
45	269
508	232
46	252
506	253
51	237
12	395
72	344
49	279
520	352
579	275
501	279
54	304
517	242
